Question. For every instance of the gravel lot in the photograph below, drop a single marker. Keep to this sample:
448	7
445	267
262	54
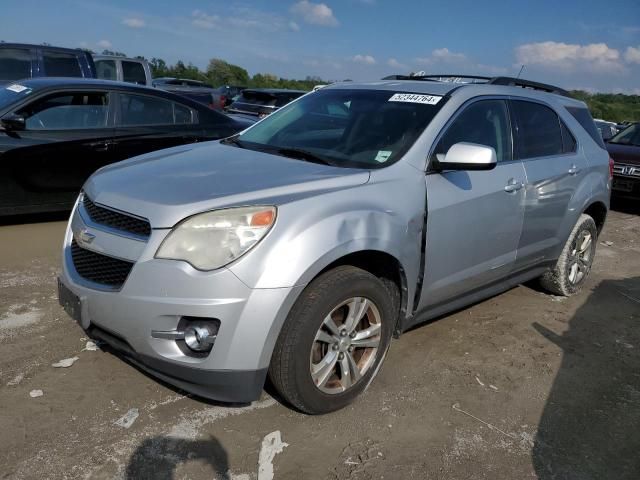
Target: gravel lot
524	385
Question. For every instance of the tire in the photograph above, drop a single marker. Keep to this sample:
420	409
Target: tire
574	264
316	335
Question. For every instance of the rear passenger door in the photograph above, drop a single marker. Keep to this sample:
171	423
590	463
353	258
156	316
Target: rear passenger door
474	218
554	168
145	123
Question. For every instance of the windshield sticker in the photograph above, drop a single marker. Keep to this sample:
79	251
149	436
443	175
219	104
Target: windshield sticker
17	88
415	98
383	156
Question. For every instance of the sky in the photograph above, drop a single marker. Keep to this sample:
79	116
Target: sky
574	44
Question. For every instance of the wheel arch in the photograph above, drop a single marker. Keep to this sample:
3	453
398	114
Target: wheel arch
598	211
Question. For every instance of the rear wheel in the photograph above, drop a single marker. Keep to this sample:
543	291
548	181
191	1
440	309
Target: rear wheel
574	264
333	341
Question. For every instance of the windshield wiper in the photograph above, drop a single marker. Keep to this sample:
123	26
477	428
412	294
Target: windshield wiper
303	155
233	140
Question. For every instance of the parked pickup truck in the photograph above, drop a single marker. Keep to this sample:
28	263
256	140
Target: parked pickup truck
22	60
123	69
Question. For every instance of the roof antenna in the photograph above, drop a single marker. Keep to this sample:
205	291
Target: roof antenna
520	72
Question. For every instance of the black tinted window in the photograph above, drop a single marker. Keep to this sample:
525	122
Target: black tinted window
68	111
485	123
61	64
148	110
538	130
583	117
568	140
133	72
15	63
106	69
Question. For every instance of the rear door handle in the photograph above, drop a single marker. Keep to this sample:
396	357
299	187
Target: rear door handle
573	170
100	146
513	186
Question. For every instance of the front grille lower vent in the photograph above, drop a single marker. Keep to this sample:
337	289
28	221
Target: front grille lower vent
114	219
99	268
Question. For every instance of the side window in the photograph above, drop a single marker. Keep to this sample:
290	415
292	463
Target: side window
183	115
138	110
583	117
61	64
485	122
133	72
15	63
68	111
538	130
568	140
106	69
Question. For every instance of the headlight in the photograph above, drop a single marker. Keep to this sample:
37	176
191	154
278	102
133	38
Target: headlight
213	239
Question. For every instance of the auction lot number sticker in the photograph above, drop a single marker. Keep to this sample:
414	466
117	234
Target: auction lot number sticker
415	98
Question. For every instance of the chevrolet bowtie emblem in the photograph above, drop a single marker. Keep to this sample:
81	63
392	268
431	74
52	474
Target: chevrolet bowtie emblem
86	237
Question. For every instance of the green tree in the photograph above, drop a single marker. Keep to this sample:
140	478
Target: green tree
220	72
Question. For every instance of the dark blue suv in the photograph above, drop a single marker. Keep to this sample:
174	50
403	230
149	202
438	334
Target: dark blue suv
21	60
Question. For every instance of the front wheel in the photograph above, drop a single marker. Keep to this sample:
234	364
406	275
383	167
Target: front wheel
574	264
333	341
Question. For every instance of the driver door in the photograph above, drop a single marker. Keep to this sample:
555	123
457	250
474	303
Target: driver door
67	137
474	218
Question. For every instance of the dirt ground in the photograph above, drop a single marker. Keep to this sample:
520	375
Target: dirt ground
524	385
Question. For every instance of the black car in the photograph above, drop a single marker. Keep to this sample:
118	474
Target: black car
624	149
260	102
22	60
55	132
228	94
192	89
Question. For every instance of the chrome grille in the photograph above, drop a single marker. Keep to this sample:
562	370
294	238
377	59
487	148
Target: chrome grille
626	170
117	220
99	268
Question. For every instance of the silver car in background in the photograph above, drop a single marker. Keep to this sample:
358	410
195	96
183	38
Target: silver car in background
298	248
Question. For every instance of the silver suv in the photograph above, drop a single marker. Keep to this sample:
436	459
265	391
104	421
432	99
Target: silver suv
298	248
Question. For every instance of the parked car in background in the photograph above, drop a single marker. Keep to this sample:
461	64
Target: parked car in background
55	132
229	94
22	60
260	102
606	129
193	89
297	248
123	69
624	149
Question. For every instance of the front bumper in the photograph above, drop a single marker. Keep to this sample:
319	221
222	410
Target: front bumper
157	294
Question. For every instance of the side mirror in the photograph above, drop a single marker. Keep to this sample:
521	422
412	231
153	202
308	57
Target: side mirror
468	156
13	121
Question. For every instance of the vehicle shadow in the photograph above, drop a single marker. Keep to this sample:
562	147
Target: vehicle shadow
590	426
625	205
35	218
158	458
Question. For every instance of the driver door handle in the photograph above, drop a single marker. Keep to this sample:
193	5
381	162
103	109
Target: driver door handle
573	170
513	186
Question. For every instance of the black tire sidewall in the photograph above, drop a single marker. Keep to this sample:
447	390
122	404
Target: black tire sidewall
319	302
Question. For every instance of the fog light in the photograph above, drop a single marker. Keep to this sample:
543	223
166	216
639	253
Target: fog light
199	338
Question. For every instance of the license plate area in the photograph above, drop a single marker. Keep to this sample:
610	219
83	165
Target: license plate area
622	185
70	302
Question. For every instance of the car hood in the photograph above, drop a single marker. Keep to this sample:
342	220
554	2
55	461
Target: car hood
168	185
624	153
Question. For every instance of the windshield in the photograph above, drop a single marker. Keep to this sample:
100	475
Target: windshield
12	93
629	136
346	128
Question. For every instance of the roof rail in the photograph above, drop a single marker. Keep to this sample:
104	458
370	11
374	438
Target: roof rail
440	78
506	81
520	82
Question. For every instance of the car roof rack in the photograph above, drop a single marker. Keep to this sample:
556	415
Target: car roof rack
465	79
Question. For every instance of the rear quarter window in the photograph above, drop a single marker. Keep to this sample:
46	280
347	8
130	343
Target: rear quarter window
133	72
584	118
